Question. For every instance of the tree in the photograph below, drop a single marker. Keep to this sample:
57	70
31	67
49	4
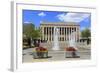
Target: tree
36	33
30	32
28	29
86	33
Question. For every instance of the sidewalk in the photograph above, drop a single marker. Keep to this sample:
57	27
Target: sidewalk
56	56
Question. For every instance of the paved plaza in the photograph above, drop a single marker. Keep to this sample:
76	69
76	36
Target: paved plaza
54	55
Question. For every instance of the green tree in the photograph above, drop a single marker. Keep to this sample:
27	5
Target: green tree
37	34
30	32
86	33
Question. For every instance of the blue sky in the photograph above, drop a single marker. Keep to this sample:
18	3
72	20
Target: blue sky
36	16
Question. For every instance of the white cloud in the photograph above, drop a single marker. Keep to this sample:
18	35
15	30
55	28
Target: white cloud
72	17
42	14
27	22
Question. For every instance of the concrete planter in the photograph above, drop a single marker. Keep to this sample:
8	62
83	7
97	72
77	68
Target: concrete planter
71	53
40	52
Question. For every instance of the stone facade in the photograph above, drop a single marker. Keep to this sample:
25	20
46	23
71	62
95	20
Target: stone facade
65	29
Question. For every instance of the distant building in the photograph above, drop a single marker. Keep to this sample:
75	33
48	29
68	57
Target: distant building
65	28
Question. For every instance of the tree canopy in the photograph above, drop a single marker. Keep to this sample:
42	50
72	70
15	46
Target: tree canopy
30	31
86	33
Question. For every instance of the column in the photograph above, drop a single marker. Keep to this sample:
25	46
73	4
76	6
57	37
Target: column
46	34
66	34
76	33
61	34
42	32
70	33
72	30
49	34
52	33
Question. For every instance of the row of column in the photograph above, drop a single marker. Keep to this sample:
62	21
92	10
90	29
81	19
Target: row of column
48	32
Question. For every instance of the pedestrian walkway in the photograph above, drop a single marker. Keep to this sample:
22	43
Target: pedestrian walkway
55	56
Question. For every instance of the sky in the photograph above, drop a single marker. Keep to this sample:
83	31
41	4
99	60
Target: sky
36	17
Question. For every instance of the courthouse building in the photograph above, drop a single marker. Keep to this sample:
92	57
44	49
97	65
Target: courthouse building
65	29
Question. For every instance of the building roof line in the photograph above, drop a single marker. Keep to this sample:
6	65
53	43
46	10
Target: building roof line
60	23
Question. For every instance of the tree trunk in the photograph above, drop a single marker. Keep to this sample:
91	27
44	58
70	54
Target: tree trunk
31	44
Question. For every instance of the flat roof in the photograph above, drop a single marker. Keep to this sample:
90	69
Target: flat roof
60	23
